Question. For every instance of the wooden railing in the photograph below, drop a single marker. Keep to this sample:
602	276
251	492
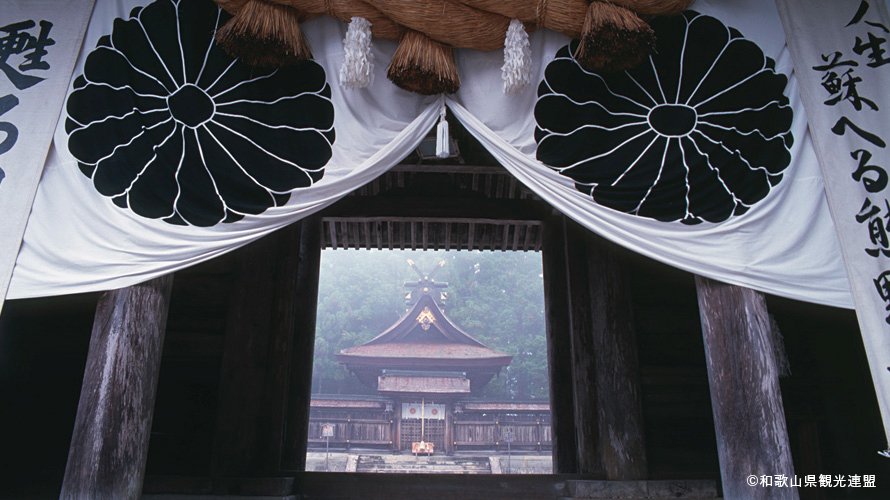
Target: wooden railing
476	434
349	432
487	434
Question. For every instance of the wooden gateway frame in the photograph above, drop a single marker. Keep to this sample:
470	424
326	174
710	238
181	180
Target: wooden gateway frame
265	354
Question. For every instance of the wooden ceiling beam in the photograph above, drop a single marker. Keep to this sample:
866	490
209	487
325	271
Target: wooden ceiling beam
419	208
332	229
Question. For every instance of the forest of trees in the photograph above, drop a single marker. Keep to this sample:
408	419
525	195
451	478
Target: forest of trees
497	297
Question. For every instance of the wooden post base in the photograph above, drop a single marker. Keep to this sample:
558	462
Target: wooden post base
749	419
111	432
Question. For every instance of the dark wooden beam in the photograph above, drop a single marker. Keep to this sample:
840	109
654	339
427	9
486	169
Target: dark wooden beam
616	363
583	358
109	445
752	438
417	208
559	350
332	229
341	486
286	316
528	237
266	369
303	311
244	362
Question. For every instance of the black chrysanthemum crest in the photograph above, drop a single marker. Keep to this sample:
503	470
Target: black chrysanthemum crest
169	126
699	132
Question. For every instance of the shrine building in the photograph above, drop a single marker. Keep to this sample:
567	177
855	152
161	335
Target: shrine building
427	373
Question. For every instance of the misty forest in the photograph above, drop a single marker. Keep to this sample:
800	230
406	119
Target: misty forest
496	297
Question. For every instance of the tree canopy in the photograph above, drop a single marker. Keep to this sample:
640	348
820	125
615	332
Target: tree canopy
497	297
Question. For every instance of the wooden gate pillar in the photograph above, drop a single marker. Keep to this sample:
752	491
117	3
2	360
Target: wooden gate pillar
608	408
584	370
263	409
109	445
245	360
622	435
752	439
559	350
449	428
303	310
397	416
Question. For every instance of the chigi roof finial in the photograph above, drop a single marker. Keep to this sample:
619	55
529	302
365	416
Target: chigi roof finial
426	285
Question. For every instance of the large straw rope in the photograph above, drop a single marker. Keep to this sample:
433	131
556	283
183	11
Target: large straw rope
613	37
473	24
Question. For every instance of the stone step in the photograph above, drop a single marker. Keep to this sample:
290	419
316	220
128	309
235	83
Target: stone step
442	467
420	466
425	471
409	464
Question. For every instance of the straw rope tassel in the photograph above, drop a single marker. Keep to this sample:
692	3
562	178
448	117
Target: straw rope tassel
614	38
516	71
358	61
265	34
443	141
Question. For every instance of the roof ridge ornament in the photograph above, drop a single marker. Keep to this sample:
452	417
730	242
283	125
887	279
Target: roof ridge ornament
426	285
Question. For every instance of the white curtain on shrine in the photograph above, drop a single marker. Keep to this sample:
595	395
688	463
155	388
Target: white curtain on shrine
39	70
77	240
784	245
89	230
823	37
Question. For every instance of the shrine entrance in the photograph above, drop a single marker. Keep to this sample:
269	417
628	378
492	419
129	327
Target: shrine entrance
422	421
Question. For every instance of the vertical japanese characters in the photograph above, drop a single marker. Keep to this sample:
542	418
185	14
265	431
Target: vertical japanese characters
23	46
841	73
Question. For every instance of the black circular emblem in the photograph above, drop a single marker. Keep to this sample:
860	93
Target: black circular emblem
699	132
169	126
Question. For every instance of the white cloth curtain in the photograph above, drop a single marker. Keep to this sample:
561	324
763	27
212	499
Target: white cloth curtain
784	245
823	37
78	240
42	39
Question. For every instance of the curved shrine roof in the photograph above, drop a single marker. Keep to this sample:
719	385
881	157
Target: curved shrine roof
424	351
423	335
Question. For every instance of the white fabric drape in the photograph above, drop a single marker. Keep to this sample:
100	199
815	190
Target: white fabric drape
42	40
822	34
78	241
784	245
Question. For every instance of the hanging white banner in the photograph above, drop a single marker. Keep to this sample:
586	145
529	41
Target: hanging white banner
699	157
39	43
430	411
840	56
170	152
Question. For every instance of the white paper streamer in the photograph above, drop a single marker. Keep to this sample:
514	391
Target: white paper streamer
516	70
358	61
443	149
